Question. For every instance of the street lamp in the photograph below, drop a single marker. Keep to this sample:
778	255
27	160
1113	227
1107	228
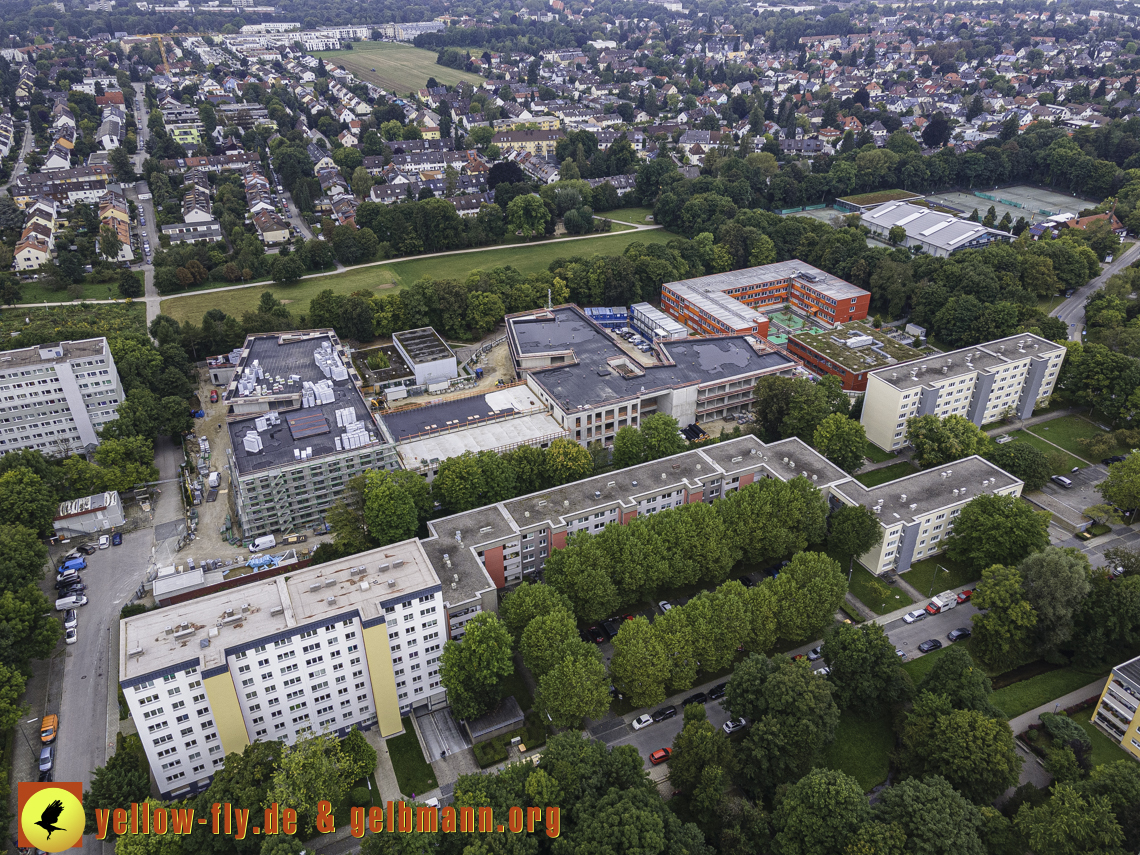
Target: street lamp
21	729
934	578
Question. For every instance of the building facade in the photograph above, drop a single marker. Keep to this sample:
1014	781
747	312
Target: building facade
982	383
1117	712
299	430
348	644
55	397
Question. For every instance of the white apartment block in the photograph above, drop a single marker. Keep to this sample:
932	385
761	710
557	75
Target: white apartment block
982	383
56	397
353	643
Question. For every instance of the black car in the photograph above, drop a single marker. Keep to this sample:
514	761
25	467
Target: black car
611	627
71	590
67	583
747	581
698	698
717	691
664	713
958	634
1108	461
593	634
87	549
930	644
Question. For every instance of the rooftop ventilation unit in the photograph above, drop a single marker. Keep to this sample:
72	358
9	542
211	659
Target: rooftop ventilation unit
331	601
138	651
316	586
330	583
277	610
391	583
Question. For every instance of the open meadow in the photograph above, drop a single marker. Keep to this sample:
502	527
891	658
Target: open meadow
399	68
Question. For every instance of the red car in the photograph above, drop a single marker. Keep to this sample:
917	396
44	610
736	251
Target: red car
213	396
964	597
660	756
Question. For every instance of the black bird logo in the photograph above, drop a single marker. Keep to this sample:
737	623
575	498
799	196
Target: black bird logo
49	816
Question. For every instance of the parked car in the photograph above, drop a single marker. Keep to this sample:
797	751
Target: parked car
748	581
70	619
660	756
116	539
611	627
1119	458
958	634
964	596
732	726
45	777
916	615
815	653
929	645
1061	481
900	653
71	636
49	729
664	713
86	549
698	698
642	721
67	579
594	634
47	758
664	605
823	672
717	691
104	541
73	588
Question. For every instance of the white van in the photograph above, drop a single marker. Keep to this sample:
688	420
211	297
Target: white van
263	543
70	602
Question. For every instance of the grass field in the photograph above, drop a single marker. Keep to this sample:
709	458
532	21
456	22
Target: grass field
638	216
1104	750
875	477
1067	431
1028	694
950	574
398	68
875	594
875	454
413	773
918	667
1060	462
879	196
526	258
862	748
34	292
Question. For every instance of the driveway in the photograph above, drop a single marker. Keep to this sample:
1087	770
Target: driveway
441	735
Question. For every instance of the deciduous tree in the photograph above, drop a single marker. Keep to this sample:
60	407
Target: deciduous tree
312	769
808	592
994	529
866	673
842	441
640	664
819	814
853	530
22	557
957	678
1071	824
1023	461
545	640
473	670
576	688
1055	582
941	440
1004	624
526	602
934	818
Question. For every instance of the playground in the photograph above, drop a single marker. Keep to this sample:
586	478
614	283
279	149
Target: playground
1033	203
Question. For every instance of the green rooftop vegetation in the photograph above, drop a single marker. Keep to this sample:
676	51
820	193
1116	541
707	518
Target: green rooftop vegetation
879	197
858	358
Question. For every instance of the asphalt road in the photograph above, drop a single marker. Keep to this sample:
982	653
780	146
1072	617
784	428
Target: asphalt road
1072	311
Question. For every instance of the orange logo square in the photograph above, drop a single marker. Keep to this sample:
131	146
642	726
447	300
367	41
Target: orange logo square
50	815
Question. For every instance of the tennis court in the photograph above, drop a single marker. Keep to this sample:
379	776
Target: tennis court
824	215
1033	203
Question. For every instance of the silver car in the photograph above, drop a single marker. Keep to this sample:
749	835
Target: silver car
915	616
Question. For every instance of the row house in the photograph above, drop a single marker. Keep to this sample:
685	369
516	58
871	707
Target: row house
65	187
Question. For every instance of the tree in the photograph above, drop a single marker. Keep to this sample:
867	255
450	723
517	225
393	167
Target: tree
25	500
389	509
22	557
957	678
151	844
357	749
853	530
361	183
842	441
1070	824
287	269
1119	783
866	673
1122	486
934	818
123	781
527	215
1024	461
313	768
129	285
459	483
109	244
772	396
567	461
697	747
629	447
819	813
1055	582
244	779
472	670
280	844
938	441
975	753
546	639
527	602
576	688
896	235
640	664
808	592
995	529
675	633
1004	624
792	715
661	437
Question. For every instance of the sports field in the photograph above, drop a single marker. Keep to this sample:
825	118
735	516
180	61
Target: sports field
399	68
824	215
1033	203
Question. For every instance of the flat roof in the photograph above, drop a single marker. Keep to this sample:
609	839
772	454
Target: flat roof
589	380
945	231
61	351
457	413
966	360
423	345
913	496
289	596
819	280
503	434
1130	669
832	344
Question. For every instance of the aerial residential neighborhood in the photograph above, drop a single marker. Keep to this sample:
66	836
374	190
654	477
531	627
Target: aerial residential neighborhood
629	427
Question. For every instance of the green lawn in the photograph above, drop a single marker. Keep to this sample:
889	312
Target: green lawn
875	477
399	68
950	574
1104	750
875	454
83	320
637	216
862	748
920	663
35	292
1067	431
877	595
1060	462
413	773
1021	697
526	258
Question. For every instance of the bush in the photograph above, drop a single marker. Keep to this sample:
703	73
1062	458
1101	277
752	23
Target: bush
1062	729
490	753
360	797
131	609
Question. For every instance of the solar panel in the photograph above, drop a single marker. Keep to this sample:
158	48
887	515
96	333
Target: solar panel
308	424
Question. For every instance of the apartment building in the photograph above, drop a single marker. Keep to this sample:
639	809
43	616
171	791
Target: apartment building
203	232
63	186
299	430
849	352
55	397
734	303
982	383
352	643
1118	710
541	143
594	388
